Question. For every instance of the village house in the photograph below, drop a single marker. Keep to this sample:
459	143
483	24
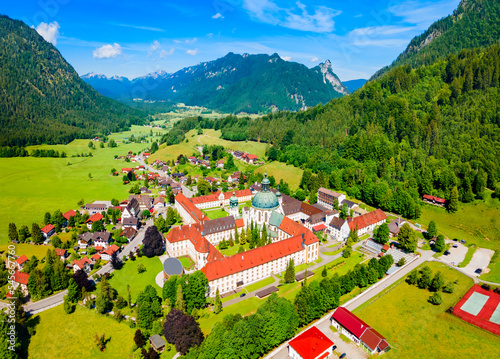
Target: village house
437	201
93	208
21	280
249	158
61	253
359	332
159	203
101	239
67	216
132	210
85	240
311	344
395	226
238	154
328	197
131	222
48	230
93	218
367	222
339	228
128	233
220	164
145	201
106	255
83	263
21	261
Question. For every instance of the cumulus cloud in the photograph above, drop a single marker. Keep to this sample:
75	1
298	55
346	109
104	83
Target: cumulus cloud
108	51
50	32
164	53
154	46
192	52
314	59
218	16
286	58
319	20
187	41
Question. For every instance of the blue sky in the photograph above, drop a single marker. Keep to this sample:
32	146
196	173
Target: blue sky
132	38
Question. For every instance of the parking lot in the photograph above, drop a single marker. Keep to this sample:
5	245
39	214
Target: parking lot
480	259
456	255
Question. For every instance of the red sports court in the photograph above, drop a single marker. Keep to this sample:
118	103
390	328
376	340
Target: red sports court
480	308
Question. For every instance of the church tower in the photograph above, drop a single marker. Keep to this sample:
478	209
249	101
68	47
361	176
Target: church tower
233	206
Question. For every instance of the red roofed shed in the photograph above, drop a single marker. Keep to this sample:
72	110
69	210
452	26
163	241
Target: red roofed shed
311	344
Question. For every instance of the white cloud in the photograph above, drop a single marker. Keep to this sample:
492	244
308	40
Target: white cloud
187	41
286	58
210	35
142	27
314	59
359	15
192	52
297	17
218	16
155	45
423	14
380	30
50	32
108	51
164	53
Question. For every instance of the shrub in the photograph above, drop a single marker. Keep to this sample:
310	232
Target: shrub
401	262
435	299
449	287
141	268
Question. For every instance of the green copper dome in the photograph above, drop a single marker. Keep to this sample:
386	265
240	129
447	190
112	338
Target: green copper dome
265	199
233	201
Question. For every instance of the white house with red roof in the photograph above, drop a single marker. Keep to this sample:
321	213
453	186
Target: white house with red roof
93	218
48	230
21	261
188	211
20	279
311	344
67	215
358	331
83	263
61	253
106	255
367	222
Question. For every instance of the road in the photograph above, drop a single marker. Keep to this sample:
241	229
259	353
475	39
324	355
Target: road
56	299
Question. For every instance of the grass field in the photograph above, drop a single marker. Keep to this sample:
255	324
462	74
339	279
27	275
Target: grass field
290	174
417	329
186	262
468	256
61	335
234	249
28	250
33	186
129	275
494	274
212	137
216	213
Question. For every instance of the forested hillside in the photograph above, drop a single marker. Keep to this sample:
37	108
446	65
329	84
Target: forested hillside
414	131
42	98
475	23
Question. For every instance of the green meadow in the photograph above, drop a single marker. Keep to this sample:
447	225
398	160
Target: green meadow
288	173
417	329
33	186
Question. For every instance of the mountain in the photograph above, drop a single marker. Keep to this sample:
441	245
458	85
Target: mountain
475	23
233	83
108	86
42	98
353	85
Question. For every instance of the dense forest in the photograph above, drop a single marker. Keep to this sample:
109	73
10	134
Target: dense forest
412	132
475	23
42	98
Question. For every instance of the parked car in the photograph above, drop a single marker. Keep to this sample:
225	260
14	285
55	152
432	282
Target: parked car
479	270
455	245
446	253
462	241
343	355
242	295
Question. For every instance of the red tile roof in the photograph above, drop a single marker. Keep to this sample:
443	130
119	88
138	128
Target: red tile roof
238	193
48	228
94	218
367	219
350	321
311	344
252	258
99	248
204	199
81	262
434	198
21	259
96	257
373	339
292	228
21	278
60	252
319	227
111	249
239	223
194	212
68	214
251	157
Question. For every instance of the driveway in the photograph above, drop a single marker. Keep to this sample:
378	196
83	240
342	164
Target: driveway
456	255
480	259
351	349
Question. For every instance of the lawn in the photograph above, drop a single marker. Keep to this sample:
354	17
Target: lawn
33	186
259	284
129	275
216	213
186	262
234	249
61	335
468	256
29	250
494	274
417	329
290	174
212	137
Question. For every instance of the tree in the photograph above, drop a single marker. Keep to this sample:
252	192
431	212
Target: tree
290	272
440	243
139	339
431	230
412	277
453	203
153	243
141	268
218	303
435	299
424	281
101	303
100	341
449	287
437	282
97	226
195	289
381	234
347	252
344	211
13	234
36	234
148	307
401	262
324	272
81	279
115	261
69	307
74	291
179	301
182	330
407	238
